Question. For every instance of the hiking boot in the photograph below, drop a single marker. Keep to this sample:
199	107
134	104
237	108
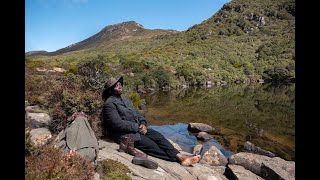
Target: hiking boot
144	161
123	146
127	145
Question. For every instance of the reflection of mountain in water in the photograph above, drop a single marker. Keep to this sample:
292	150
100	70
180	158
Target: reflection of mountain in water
263	114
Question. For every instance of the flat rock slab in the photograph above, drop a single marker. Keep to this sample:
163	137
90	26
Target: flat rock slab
240	173
200	127
167	170
264	166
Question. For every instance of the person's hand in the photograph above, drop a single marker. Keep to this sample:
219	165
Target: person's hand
143	129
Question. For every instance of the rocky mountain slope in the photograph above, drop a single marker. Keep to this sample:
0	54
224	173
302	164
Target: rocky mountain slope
244	41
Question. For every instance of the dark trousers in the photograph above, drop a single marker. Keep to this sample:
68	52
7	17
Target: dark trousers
155	144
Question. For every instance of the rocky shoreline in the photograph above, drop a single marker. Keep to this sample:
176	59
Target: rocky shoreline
253	163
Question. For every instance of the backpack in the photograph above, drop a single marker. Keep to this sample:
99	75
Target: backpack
79	136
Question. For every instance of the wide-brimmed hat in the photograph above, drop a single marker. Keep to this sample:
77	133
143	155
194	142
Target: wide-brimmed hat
112	81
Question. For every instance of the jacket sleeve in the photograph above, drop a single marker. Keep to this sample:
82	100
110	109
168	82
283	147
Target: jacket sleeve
113	119
141	119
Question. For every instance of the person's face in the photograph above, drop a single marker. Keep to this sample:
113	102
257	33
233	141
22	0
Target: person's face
118	88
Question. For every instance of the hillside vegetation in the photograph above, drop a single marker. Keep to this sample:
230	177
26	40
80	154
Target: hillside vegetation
245	40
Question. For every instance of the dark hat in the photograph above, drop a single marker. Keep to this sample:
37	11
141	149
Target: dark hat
112	81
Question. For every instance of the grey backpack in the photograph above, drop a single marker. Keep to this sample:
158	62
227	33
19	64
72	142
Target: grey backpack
79	136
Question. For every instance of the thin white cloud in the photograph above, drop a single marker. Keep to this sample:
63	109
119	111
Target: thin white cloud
48	3
76	1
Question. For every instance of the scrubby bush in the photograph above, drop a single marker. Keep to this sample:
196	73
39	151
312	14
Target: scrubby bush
132	64
161	77
72	69
59	119
185	71
67	97
134	97
34	63
47	162
93	73
52	163
148	81
36	90
112	170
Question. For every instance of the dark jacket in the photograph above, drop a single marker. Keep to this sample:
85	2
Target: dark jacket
121	118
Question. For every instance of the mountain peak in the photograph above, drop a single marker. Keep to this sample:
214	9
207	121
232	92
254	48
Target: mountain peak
119	30
128	24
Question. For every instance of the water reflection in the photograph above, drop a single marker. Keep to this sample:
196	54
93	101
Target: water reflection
261	114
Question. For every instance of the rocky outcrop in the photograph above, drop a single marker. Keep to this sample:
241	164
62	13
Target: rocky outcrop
40	136
214	157
265	166
198	127
278	169
249	147
37	117
240	173
204	136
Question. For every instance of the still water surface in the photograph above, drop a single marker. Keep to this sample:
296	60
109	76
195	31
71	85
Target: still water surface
261	114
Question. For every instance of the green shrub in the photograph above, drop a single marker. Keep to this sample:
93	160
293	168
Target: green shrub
148	81
36	90
35	63
93	73
134	97
72	70
133	65
37	79
116	175
112	170
161	77
76	101
237	65
186	71
131	83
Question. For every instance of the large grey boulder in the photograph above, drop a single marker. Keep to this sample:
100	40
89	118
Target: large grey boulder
278	169
204	136
198	127
203	172
214	157
39	120
40	136
240	173
254	163
249	147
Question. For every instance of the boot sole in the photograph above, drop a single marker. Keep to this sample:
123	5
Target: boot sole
145	162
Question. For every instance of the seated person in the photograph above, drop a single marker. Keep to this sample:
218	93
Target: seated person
128	127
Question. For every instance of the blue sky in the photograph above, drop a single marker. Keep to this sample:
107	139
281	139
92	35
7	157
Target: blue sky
54	24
